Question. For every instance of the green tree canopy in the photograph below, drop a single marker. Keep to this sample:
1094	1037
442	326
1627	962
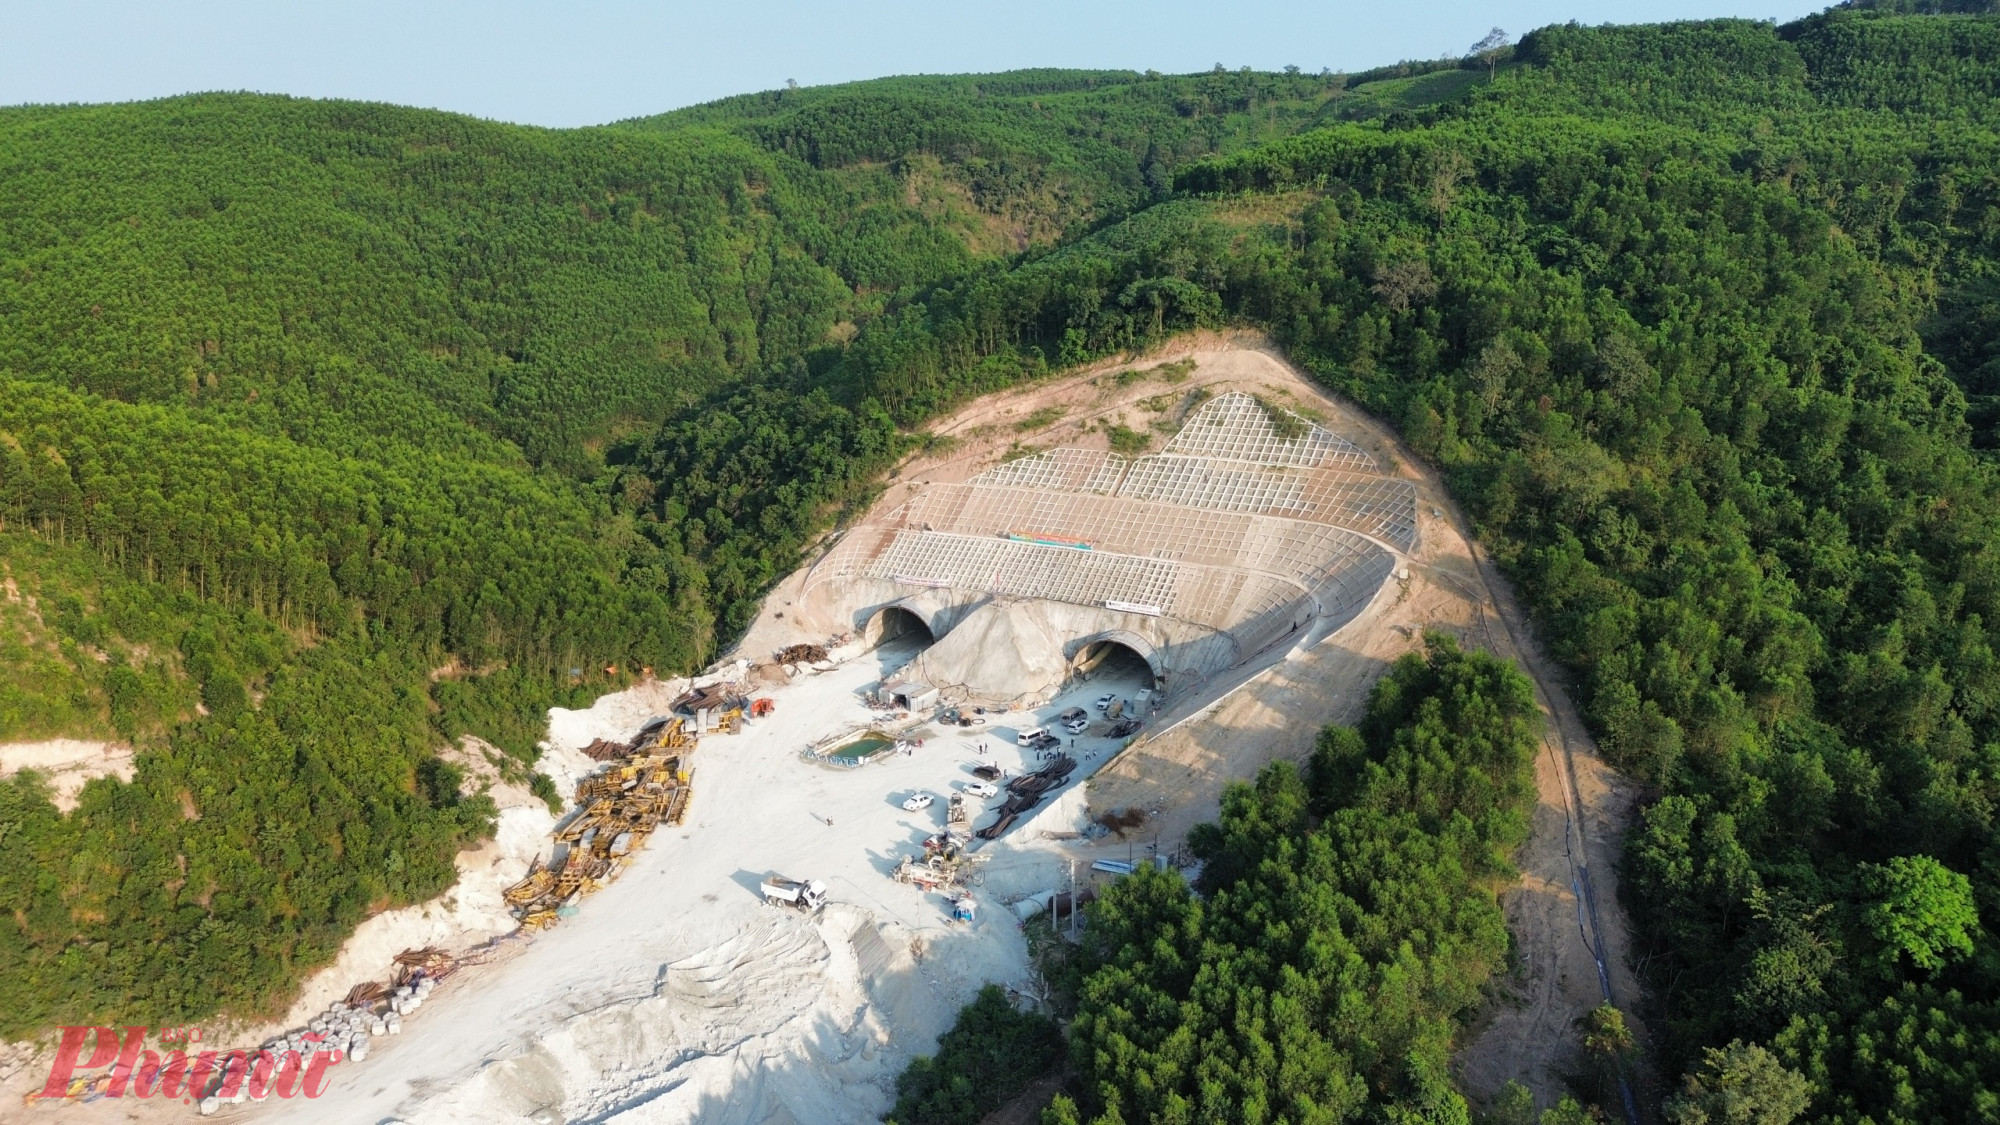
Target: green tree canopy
1741	1084
1317	974
1922	910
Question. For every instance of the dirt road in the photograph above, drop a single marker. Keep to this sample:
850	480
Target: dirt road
1564	910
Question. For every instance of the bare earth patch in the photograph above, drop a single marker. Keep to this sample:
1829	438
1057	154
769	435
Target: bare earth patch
66	764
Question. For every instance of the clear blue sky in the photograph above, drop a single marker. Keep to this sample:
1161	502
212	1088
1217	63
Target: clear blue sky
589	61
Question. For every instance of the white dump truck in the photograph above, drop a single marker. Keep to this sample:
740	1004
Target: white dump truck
807	895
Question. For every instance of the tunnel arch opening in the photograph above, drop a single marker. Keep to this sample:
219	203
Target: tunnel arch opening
1113	659
898	623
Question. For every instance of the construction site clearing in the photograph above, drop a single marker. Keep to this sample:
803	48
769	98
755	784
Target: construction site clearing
647	781
1255	529
970	784
780	949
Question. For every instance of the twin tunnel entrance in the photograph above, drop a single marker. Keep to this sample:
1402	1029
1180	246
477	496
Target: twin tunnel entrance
1097	657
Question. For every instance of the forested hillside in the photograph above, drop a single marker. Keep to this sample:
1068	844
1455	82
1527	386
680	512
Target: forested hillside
301	400
304	412
1343	915
1039	154
1689	316
1698	320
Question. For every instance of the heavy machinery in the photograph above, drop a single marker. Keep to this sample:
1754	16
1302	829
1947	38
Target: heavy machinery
944	864
647	784
807	895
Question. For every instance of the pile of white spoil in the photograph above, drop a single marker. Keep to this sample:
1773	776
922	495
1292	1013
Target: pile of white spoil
1006	650
792	1018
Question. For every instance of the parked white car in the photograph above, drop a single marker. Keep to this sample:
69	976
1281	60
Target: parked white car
917	802
982	789
1077	726
1104	701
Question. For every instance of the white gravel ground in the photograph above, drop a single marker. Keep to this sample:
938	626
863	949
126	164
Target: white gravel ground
677	995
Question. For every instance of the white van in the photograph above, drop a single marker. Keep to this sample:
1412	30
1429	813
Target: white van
1027	737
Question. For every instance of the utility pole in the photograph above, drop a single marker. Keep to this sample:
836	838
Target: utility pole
1072	900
